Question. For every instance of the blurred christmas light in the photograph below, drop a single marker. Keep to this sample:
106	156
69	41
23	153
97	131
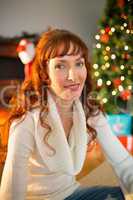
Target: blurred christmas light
95	66
110	33
122	67
103	67
108	82
104	52
107	48
113	92
128	31
107	64
98	45
129	87
97	37
120	88
96	73
105	100
125	24
102	31
113	56
113	29
99	82
126	47
122	78
106	58
122	28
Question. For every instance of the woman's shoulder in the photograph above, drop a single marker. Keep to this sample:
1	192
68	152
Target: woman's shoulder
27	119
23	127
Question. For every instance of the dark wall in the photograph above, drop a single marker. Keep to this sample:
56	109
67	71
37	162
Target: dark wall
11	68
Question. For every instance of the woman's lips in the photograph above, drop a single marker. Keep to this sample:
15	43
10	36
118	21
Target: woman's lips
73	87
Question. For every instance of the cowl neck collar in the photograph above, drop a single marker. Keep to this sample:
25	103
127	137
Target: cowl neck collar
70	155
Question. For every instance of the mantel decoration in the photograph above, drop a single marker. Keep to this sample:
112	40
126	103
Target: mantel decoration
8	45
26	53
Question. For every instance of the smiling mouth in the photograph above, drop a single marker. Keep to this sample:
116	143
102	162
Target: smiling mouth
73	86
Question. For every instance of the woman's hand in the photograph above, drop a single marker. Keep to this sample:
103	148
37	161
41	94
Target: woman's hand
97	121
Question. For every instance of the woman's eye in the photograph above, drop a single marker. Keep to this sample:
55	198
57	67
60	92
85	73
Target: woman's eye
59	66
80	64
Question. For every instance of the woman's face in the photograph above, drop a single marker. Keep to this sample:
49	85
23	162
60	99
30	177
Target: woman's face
67	75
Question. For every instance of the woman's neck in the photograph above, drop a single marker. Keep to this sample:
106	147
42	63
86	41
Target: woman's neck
63	106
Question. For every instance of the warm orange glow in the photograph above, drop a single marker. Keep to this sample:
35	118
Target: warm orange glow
3	130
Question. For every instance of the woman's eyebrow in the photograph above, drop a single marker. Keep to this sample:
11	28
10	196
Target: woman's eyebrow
65	60
80	58
62	60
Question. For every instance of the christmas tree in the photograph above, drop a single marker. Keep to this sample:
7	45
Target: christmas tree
113	56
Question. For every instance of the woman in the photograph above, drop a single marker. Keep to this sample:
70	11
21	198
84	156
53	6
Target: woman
49	129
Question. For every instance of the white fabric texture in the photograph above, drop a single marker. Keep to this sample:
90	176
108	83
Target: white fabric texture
30	174
75	152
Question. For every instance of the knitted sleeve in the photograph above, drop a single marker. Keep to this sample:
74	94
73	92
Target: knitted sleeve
20	145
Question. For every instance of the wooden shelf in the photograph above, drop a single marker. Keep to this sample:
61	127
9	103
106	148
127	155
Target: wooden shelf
8	50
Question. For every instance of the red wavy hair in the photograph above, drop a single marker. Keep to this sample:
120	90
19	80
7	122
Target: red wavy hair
31	96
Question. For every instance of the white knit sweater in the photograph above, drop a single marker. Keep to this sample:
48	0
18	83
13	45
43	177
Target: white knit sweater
31	174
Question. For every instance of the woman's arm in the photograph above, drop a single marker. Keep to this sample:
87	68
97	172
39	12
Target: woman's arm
20	145
115	152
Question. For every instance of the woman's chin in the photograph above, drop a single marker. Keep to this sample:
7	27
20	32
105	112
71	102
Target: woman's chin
71	97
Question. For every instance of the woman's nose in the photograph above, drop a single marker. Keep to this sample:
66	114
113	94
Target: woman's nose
71	74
